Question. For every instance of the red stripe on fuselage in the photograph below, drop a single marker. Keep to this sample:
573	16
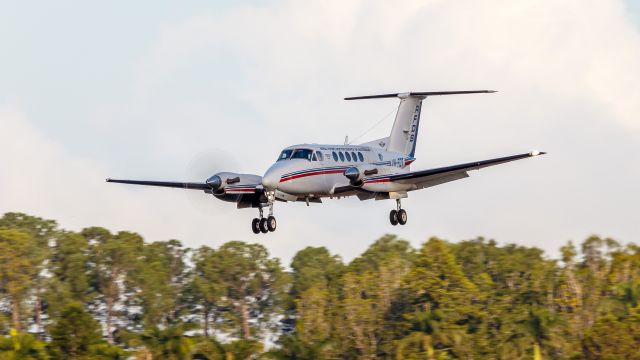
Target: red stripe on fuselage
312	173
376	181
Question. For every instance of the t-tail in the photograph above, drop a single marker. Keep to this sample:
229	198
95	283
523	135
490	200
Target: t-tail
404	133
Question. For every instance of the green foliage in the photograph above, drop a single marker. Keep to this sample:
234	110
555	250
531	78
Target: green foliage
614	338
160	275
18	269
169	342
21	346
76	335
252	286
102	295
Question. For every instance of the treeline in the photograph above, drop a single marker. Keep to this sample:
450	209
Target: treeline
95	294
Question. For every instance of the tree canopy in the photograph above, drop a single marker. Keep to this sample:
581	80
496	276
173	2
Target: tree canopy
99	294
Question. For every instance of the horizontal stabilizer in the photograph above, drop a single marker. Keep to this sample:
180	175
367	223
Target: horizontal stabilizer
422	94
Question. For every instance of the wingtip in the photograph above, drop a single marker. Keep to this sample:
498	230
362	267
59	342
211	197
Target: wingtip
536	153
492	91
107	180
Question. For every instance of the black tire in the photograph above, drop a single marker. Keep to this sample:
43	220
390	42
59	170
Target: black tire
402	217
393	217
255	226
271	223
263	226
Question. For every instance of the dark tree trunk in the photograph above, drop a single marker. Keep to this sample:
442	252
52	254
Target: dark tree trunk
109	319
206	320
15	313
244	312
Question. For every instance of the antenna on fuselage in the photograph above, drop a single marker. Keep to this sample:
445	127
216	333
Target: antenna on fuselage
346	140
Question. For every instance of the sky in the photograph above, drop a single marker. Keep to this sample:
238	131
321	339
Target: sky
179	91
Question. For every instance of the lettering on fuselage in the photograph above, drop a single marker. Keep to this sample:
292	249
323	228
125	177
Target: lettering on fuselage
343	148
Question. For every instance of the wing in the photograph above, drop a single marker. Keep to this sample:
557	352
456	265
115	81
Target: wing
427	178
179	185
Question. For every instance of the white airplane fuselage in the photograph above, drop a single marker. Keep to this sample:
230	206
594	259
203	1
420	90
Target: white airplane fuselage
320	170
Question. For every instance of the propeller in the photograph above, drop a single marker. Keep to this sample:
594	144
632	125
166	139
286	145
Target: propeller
202	168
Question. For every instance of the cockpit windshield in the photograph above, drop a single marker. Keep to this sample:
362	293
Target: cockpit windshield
285	155
302	154
295	154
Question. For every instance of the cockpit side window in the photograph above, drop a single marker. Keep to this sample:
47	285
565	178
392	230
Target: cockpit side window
320	157
302	154
314	157
285	154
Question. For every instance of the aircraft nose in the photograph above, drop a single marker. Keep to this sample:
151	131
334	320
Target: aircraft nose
270	180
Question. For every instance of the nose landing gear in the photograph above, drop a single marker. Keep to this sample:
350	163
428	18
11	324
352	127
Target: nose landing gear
398	216
262	224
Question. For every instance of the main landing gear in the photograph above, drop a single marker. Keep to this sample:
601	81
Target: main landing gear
262	224
398	216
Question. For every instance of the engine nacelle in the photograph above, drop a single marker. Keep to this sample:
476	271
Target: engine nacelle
223	181
356	174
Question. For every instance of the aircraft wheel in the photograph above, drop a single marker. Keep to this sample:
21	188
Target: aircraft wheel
271	223
255	226
402	217
263	226
393	217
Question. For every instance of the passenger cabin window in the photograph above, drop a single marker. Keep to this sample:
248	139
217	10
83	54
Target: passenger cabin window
335	156
360	156
354	156
285	154
302	154
341	156
346	153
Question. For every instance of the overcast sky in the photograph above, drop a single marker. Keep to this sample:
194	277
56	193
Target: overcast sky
181	90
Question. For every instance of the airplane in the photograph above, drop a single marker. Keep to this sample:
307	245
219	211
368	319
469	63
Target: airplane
378	169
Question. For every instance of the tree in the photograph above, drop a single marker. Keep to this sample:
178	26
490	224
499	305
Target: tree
69	273
313	302
159	277
76	335
253	285
206	288
613	338
168	342
43	233
21	346
18	269
113	260
314	265
443	299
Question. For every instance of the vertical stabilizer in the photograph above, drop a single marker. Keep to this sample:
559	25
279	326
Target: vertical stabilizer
404	133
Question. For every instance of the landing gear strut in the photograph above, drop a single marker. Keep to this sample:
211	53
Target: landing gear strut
262	224
398	216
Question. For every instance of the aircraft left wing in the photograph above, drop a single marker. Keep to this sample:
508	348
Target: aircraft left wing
432	177
171	184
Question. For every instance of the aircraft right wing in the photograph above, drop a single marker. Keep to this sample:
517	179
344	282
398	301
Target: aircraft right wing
432	177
